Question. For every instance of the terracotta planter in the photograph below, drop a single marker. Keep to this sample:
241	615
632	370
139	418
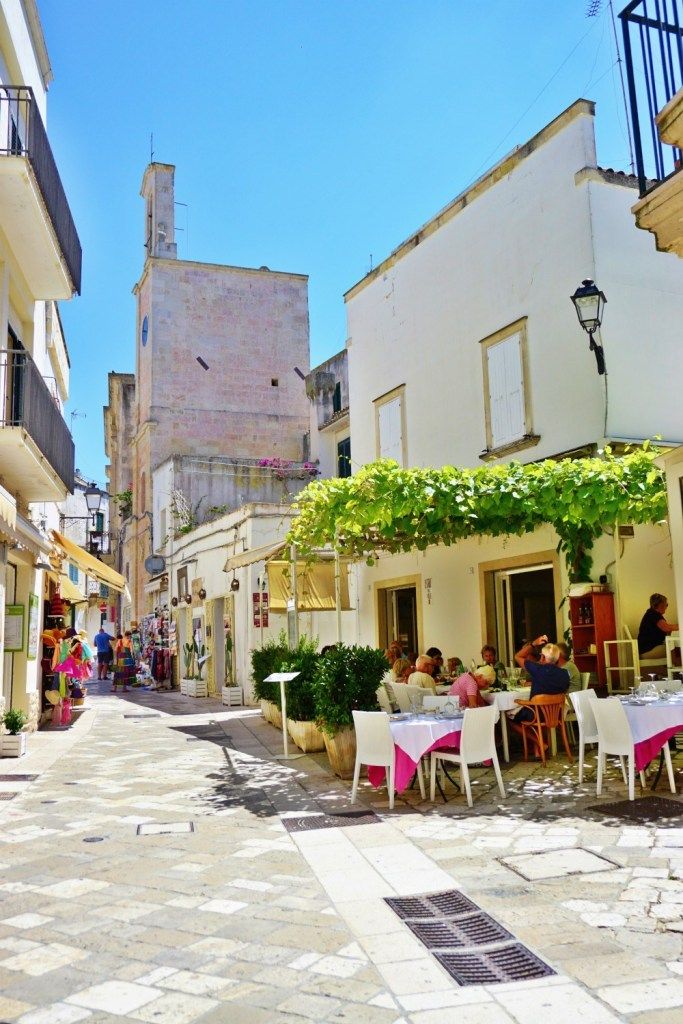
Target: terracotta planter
341	750
306	735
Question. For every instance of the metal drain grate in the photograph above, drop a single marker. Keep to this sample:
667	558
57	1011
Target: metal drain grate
510	963
476	929
470	944
7	796
164	828
311	822
143	714
645	809
18	778
437	904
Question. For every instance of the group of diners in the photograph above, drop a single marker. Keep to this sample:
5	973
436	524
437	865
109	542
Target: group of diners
547	669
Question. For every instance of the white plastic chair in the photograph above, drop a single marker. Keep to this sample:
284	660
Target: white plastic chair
582	703
375	746
615	737
403	692
383	699
431	703
477	743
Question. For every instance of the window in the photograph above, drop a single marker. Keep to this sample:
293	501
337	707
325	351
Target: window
163	527
73	572
505	390
336	398
390	426
104	590
99	522
344	457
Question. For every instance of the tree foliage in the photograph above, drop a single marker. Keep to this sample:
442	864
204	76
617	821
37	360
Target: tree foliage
384	508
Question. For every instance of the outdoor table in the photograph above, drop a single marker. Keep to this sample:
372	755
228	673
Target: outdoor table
505	701
652	725
413	738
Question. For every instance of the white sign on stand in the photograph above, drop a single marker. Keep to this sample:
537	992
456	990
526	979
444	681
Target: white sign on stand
282	678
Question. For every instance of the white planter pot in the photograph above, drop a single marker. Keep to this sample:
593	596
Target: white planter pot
194	687
13	746
231	696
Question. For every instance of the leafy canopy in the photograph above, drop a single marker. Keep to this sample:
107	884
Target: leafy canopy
384	508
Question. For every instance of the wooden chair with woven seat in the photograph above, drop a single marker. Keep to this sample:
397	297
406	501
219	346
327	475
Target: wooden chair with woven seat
548	712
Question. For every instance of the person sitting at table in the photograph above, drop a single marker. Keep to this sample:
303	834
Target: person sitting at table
400	671
489	657
654	629
468	685
437	657
565	662
546	677
422	676
455	666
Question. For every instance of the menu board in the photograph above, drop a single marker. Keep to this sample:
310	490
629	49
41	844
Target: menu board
14	627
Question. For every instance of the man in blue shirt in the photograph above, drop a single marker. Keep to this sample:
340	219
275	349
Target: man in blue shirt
546	675
103	646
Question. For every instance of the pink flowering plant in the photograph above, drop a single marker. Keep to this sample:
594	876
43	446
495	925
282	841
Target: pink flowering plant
285	468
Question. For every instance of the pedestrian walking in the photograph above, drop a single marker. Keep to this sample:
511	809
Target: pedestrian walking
103	643
124	662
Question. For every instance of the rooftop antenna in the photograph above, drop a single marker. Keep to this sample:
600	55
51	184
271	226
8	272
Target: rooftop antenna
186	229
76	415
151	147
592	10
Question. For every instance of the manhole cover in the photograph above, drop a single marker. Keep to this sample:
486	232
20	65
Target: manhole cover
437	904
647	809
557	863
48	801
7	796
310	822
93	839
160	828
509	963
18	778
476	929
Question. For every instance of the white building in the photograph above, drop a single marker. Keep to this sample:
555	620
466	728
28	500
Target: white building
464	347
40	263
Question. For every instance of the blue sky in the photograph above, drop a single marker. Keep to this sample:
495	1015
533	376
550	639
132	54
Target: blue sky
308	135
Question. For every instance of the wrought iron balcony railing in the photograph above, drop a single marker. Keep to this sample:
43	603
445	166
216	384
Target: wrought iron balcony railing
25	401
22	133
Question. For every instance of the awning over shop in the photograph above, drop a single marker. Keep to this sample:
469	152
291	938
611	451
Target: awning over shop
254	555
90	565
8	509
70	592
314	585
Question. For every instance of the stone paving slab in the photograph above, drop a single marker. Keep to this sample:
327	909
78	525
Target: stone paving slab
241	918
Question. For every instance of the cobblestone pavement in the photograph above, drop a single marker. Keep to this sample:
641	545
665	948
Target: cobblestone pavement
146	875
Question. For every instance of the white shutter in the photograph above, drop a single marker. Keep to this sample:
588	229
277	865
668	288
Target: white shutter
506	391
390	430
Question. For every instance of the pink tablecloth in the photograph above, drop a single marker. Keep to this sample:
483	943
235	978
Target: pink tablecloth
652	726
413	739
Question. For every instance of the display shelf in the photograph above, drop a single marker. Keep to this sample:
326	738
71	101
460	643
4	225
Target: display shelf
592	621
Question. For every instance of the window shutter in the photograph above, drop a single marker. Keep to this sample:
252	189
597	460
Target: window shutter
506	391
390	431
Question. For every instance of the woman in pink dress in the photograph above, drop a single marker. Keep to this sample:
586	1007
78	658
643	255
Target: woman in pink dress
468	685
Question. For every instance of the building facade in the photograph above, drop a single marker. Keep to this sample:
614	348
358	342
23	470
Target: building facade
40	264
219	357
464	348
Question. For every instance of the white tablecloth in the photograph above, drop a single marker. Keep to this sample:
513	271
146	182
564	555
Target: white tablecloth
648	720
416	736
505	699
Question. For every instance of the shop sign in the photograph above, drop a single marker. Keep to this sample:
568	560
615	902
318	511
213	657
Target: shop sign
260	609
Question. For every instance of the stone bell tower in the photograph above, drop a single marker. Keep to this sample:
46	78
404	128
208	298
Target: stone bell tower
159	195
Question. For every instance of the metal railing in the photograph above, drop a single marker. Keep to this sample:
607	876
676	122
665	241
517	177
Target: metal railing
22	133
653	53
25	401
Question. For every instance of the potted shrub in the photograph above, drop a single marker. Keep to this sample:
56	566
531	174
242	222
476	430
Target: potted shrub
264	661
301	724
231	692
13	742
346	680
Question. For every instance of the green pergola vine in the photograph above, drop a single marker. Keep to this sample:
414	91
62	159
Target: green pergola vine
384	508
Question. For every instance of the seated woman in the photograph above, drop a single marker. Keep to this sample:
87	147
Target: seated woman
400	671
468	685
422	676
654	629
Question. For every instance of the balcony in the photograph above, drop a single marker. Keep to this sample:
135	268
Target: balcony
34	212
653	52
36	448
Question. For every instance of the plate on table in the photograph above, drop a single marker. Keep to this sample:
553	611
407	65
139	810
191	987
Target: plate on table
402	716
448	715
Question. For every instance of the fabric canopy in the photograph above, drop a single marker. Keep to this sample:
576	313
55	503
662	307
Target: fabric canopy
254	555
314	586
90	565
8	508
70	592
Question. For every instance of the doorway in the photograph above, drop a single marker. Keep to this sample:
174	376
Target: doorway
397	608
521	604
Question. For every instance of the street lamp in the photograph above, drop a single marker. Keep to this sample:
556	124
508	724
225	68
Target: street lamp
589	303
93	499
